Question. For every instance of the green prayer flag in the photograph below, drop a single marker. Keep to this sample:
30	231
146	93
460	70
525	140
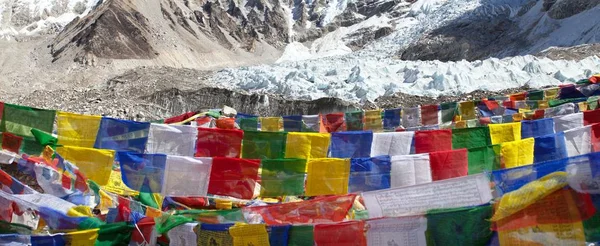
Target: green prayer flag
535	95
301	235
263	145
43	138
166	222
19	120
354	120
592	102
147	199
558	102
223	216
448	111
90	223
249	124
483	159
591	228
114	234
459	226
282	177
11	228
467	138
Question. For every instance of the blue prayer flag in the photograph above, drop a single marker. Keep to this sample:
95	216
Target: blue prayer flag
142	172
351	144
370	173
537	128
550	147
122	135
391	118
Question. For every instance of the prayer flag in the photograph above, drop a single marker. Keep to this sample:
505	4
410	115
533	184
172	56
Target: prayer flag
11	142
391	118
373	121
470	137
77	129
507	132
392	143
433	140
591	117
351	144
485	158
327	176
550	147
467	110
344	233
245	234
459	226
354	120
429	115
96	164
518	153
171	139
282	177
333	122
19	120
142	172
301	235
233	177
448	111
186	176
293	123
369	173
122	135
536	128
578	141
214	142
567	122
264	145
306	145
411	117
408	170
449	164
271	124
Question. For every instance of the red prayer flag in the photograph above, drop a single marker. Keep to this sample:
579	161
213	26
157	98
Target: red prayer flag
564	206
179	118
226	123
596	137
429	115
330	209
144	234
123	210
519	96
484	121
1	110
233	177
449	164
591	117
345	233
433	140
214	142
509	104
334	122
11	142
491	105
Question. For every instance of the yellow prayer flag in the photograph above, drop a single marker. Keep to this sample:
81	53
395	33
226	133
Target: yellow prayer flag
467	110
153	212
327	176
306	145
583	106
246	234
517	153
460	124
543	105
519	199
373	121
507	132
545	234
77	129
116	185
271	124
550	94
80	211
95	164
82	238
518	117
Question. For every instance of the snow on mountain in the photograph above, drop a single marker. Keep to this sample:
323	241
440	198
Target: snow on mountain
31	17
328	68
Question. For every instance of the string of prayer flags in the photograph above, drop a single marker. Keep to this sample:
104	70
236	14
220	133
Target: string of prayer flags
465	191
331	209
373	121
293	123
391	118
483	159
327	176
536	128
142	172
122	135
591	117
271	124
518	153
459	226
351	144
391	143
306	145
214	142
77	129
550	147
194	171
333	123
96	164
301	235
429	115
408	170
245	234
312	123
578	141
345	233
433	140
19	120
264	145
567	122
467	110
370	173
354	120
11	142
233	177
449	164
282	177
171	139
468	138
411	117
506	132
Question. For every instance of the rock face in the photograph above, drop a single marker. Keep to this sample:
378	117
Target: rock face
493	30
